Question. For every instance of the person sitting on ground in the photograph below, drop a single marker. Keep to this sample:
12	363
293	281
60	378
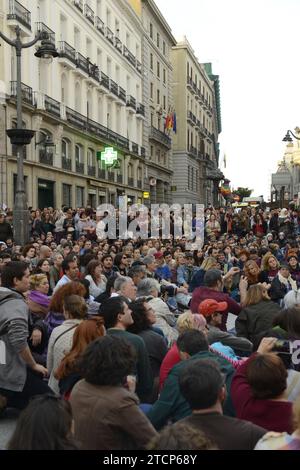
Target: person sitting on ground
144	317
192	345
67	372
258	390
46	424
106	411
214	282
125	287
181	436
257	314
117	318
212	311
282	284
283	441
202	385
61	339
270	268
96	278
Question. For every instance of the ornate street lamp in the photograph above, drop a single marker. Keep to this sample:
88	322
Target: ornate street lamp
287	137
20	136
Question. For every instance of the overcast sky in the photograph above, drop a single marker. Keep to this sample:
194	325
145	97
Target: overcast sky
254	47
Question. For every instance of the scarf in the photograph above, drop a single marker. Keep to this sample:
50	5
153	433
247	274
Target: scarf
39	298
289	282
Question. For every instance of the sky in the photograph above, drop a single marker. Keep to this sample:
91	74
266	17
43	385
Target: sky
254	47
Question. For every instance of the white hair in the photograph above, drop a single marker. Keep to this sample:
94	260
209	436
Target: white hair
292	299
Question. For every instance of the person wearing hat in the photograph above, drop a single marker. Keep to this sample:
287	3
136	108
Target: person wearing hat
282	284
212	311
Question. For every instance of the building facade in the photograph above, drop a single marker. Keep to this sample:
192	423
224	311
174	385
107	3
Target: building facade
157	94
88	99
196	175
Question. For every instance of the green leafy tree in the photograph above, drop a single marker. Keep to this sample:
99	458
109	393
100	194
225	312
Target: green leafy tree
243	192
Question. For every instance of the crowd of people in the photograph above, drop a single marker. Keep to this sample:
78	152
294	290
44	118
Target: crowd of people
145	343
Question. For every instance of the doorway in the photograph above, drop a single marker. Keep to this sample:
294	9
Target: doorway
45	193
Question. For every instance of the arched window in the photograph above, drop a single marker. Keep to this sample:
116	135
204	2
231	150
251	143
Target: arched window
78	153
91	157
66	157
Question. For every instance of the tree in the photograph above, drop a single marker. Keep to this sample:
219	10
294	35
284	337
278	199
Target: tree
243	192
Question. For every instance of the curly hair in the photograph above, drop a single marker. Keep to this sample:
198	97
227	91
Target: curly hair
107	361
86	332
139	316
36	280
181	436
71	288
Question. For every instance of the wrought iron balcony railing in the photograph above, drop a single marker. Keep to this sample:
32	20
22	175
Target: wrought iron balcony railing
19	13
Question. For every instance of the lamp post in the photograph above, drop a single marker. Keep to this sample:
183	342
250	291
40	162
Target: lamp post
19	136
287	137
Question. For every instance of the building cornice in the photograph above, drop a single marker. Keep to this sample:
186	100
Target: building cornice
160	18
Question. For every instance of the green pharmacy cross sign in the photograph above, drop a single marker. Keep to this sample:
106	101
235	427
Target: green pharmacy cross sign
109	156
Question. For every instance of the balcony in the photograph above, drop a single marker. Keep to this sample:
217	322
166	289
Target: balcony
67	54
120	179
46	157
19	15
131	103
122	94
190	84
111	176
193	151
140	110
66	163
76	119
160	137
139	184
26	92
197	125
79	5
129	56
191	118
109	35
139	66
194	87
118	44
91	170
104	83
89	13
82	64
94	72
80	168
41	27
52	106
130	181
106	134
100	25
113	86
134	148
101	174
143	152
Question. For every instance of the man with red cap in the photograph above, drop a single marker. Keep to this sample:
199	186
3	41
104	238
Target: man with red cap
212	311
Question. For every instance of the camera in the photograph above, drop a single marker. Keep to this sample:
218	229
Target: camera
282	346
167	290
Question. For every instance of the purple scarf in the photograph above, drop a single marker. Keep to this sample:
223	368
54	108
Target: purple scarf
39	298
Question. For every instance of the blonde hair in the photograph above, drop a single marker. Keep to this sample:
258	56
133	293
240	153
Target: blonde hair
265	261
255	294
209	263
36	280
190	321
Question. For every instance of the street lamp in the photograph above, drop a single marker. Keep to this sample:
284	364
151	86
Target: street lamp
287	137
19	136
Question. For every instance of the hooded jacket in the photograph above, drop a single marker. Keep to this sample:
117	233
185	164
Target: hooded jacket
13	339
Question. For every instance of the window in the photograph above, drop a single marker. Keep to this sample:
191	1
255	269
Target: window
151	90
164	48
152	120
165	102
151	30
78	153
164	76
64	89
192	179
158	69
157	40
91	157
79	196
158	96
65	149
151	61
189	180
151	149
67	195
